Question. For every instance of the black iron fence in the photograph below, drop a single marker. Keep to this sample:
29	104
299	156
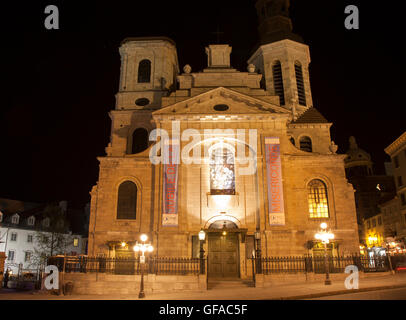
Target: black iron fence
317	264
129	266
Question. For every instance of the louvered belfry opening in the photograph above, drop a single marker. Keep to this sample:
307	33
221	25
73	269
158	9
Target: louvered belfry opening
278	82
300	84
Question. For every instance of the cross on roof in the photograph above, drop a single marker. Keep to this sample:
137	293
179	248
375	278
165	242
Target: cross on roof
218	33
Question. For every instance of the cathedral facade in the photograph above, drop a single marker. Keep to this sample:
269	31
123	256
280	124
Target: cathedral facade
242	156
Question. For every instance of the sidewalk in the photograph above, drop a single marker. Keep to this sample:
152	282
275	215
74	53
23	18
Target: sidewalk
290	291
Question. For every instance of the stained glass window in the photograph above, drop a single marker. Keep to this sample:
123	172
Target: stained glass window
318	202
222	178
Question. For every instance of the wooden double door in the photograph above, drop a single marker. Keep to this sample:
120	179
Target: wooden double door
223	256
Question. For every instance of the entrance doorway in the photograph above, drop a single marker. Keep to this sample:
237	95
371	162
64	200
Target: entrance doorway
223	254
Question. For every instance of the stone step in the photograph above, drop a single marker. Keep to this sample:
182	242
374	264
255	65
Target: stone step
229	284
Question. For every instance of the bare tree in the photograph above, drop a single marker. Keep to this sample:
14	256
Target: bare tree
52	238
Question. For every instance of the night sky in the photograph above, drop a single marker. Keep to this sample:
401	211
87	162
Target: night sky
59	85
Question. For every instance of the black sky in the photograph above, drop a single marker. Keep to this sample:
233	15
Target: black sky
59	85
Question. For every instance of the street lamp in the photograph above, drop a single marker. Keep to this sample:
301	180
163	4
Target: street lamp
202	237
325	236
143	247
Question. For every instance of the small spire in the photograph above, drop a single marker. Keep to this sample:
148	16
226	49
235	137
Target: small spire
274	21
353	143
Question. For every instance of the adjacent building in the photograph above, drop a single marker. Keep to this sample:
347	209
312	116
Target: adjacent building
394	210
21	224
370	189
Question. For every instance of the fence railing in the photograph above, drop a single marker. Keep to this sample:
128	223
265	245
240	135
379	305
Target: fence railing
316	264
129	266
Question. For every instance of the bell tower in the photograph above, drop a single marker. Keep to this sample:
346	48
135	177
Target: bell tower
282	57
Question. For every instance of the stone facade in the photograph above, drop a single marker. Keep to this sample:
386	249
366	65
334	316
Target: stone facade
219	98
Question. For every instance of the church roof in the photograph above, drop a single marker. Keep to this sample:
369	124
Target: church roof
311	115
131	39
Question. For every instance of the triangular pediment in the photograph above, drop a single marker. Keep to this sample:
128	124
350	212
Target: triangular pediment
236	104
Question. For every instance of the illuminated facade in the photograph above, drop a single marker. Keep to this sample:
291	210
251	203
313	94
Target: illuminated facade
263	160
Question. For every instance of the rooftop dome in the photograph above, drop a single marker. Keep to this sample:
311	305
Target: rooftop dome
357	156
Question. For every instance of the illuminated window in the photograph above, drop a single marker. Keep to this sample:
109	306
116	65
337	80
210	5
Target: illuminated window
318	203
127	200
76	242
144	71
222	178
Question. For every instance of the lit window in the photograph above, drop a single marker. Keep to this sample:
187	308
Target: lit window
318	203
76	242
13	237
222	178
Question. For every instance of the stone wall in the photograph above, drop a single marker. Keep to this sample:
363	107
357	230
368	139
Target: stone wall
94	283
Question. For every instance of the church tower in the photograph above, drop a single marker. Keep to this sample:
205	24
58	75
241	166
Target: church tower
282	57
149	67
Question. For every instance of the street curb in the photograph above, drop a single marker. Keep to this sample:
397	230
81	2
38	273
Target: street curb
334	293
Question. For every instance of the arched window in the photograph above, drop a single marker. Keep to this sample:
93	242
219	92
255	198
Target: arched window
144	71
306	144
127	200
278	81
140	140
318	201
222	177
300	84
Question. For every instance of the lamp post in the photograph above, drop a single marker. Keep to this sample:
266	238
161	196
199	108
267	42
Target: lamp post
202	237
143	247
325	236
257	236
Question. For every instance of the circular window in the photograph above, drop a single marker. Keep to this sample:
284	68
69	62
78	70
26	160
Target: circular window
221	107
142	102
